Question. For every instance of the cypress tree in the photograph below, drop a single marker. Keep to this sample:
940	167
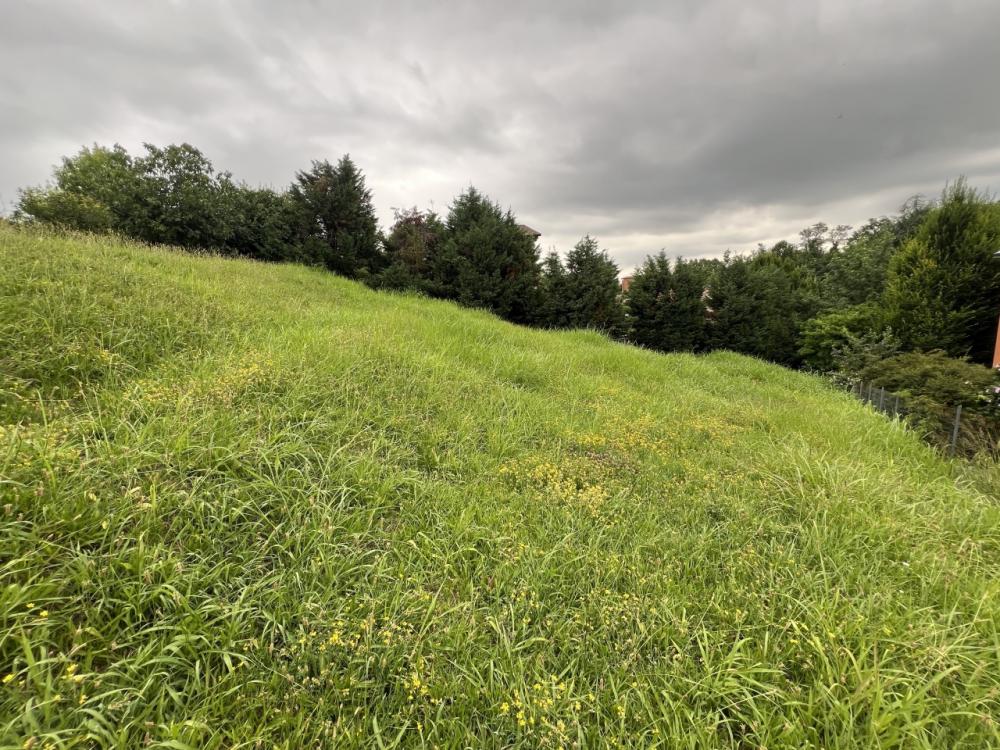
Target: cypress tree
552	293
590	290
410	249
337	219
667	306
944	284
648	302
487	261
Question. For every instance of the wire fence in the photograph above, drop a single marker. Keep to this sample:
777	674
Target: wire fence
947	432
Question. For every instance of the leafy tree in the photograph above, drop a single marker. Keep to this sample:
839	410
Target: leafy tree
944	284
170	195
337	218
174	195
931	385
95	190
264	225
66	209
180	199
487	260
860	351
824	335
857	273
911	216
949	381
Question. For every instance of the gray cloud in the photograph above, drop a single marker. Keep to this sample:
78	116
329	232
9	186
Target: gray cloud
696	128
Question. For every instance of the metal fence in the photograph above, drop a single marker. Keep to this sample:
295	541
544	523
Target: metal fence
894	405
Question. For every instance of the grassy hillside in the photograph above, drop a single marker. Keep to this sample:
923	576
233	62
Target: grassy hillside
260	506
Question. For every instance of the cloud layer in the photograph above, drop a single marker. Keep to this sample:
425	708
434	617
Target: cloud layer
690	126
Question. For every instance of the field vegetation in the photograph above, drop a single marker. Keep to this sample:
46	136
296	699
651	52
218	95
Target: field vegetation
254	505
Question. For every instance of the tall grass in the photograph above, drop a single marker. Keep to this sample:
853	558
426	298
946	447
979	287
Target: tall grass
260	506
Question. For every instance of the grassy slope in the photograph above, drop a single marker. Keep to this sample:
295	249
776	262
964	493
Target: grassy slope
263	503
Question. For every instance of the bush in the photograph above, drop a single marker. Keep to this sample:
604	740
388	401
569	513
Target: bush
824	335
859	353
64	209
933	385
934	375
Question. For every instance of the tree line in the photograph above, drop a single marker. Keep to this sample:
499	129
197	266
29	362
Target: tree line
923	279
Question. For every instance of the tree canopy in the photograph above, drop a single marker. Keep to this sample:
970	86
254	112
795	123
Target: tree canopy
943	290
923	279
584	292
337	218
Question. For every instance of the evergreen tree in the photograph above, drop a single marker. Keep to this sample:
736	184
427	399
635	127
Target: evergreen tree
944	284
590	290
689	297
552	293
647	302
487	260
264	225
668	306
337	218
410	248
736	311
760	305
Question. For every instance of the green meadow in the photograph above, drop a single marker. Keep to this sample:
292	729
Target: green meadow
260	506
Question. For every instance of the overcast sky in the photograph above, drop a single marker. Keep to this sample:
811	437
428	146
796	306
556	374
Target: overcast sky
693	126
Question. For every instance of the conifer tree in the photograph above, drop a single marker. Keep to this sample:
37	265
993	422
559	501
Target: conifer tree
760	305
411	246
667	306
337	218
648	302
487	260
944	284
552	293
590	294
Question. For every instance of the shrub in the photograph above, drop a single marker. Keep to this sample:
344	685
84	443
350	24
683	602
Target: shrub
824	335
933	385
864	351
65	209
934	375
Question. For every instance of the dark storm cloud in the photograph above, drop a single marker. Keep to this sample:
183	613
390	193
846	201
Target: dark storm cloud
700	127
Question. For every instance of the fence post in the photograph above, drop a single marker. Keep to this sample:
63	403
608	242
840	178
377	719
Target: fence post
895	409
954	431
868	398
881	398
